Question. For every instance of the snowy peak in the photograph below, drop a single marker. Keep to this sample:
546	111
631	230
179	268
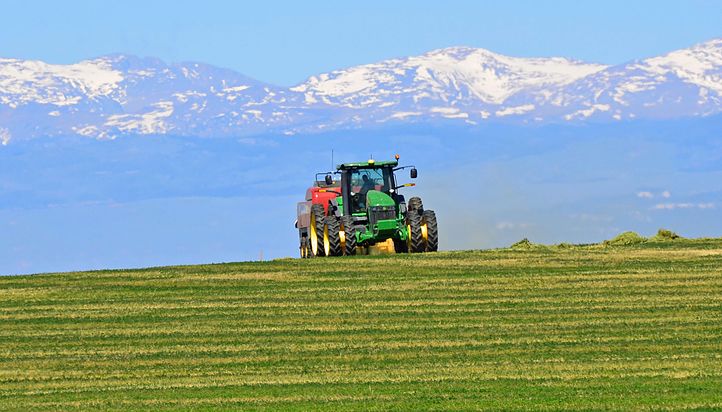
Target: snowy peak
703	55
682	83
442	74
700	64
493	77
28	81
475	60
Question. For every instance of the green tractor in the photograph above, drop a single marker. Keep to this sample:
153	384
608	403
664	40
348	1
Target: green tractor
363	210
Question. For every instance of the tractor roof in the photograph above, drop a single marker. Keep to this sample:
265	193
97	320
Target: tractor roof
371	164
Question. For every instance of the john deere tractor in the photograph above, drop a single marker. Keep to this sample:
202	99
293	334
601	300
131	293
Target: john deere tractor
358	206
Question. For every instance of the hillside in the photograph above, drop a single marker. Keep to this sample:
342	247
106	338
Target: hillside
576	327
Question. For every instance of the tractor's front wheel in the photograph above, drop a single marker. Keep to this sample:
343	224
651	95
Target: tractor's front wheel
316	230
401	246
415	205
331	237
415	240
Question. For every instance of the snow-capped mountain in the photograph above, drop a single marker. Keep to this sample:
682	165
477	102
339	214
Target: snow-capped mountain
118	94
458	82
682	83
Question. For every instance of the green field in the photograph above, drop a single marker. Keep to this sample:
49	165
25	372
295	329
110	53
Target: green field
561	328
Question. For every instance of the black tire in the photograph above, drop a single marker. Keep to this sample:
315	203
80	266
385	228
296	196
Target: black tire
309	255
400	246
415	204
415	240
303	249
331	237
349	241
315	231
428	218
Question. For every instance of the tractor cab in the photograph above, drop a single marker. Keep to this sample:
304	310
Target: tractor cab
361	182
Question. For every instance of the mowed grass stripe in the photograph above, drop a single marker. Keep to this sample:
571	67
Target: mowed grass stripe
423	372
542	287
548	329
325	327
492	293
359	288
610	294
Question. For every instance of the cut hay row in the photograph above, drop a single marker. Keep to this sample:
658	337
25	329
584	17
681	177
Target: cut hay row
622	325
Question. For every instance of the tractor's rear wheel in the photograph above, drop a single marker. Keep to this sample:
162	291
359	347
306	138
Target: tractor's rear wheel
415	204
348	240
431	232
331	237
316	230
415	241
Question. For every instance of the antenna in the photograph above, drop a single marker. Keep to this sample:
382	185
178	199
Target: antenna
331	159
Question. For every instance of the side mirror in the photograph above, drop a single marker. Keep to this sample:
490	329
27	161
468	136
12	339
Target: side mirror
329	180
414	173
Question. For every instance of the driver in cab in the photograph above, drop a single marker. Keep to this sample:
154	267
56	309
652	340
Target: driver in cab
368	184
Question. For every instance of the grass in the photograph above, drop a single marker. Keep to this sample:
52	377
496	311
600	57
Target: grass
625	239
635	327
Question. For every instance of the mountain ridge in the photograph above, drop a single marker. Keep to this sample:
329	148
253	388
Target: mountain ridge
119	94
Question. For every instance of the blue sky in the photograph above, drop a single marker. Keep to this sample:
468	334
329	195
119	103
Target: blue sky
283	42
